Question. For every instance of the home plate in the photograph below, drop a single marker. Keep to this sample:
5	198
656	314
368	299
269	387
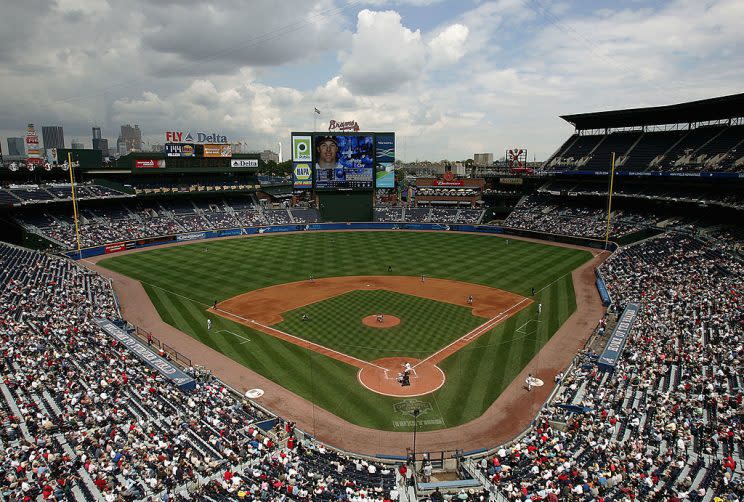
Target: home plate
254	393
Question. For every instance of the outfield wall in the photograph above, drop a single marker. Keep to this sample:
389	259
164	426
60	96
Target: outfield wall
115	247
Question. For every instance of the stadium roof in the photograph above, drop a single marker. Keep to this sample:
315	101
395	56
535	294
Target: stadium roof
720	108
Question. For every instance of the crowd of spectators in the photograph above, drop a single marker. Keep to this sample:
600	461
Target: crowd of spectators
132	220
29	194
667	424
427	214
81	418
541	214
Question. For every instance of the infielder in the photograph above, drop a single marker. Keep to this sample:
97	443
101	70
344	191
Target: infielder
209	324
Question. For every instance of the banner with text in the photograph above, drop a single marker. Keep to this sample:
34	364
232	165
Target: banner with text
302	175
216	150
244	163
614	348
165	367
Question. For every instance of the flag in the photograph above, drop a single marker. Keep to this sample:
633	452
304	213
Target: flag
317	111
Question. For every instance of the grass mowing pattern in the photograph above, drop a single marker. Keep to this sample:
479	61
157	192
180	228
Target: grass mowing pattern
426	325
216	270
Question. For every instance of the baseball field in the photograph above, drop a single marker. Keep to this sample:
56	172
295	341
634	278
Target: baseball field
334	316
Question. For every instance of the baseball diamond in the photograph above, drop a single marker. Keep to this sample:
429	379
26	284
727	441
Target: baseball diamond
300	300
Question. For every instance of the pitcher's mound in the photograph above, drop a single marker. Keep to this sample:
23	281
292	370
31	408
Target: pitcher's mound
382	377
388	321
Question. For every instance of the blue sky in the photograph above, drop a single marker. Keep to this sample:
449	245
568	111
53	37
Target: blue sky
452	78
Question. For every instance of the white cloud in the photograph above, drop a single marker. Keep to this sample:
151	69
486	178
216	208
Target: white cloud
449	45
385	54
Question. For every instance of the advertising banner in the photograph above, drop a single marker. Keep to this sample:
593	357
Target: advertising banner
114	248
385	148
149	163
455	183
180	150
244	163
385	175
217	150
170	371
191	236
197	137
614	348
302	150
51	155
302	175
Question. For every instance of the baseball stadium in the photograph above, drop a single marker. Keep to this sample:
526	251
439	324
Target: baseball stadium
198	323
408	335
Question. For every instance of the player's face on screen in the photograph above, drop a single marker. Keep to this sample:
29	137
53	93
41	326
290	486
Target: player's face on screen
327	151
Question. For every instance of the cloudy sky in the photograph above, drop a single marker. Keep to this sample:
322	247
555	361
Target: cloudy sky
451	78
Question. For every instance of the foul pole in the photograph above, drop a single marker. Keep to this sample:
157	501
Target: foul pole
609	199
74	203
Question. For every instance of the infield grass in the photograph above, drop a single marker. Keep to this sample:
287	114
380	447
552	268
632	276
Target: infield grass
183	282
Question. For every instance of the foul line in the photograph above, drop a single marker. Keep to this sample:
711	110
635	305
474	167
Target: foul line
301	342
489	324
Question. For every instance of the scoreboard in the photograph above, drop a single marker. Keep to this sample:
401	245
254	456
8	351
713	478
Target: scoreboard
343	161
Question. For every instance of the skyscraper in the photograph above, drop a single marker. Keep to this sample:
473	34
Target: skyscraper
100	143
131	137
16	146
53	136
76	145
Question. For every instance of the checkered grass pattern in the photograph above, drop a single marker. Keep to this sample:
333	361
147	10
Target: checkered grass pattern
426	325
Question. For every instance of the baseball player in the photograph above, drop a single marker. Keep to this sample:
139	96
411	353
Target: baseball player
470	300
209	324
539	308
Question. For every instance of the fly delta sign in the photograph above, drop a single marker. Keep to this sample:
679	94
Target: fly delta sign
198	137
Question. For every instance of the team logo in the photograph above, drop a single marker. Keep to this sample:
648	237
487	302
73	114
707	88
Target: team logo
409	406
301	149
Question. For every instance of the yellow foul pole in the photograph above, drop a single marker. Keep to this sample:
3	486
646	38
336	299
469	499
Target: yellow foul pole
609	199
74	201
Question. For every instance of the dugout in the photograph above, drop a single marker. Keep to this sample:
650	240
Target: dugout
345	206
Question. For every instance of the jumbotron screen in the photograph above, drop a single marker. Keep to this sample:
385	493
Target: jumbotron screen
343	161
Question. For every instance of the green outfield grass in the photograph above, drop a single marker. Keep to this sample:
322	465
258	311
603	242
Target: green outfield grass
183	281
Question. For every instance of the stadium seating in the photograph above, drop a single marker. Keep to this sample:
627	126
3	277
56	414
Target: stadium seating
81	418
435	214
666	424
141	218
24	194
711	148
543	214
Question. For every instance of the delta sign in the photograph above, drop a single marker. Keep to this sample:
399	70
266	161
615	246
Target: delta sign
198	137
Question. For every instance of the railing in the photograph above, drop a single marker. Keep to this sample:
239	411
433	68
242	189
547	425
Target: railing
168	351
